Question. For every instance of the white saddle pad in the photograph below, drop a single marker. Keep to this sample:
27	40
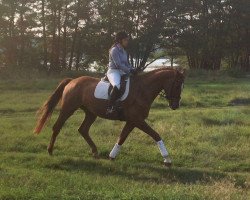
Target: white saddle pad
101	90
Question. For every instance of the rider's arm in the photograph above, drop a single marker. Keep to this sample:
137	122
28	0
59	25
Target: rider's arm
117	61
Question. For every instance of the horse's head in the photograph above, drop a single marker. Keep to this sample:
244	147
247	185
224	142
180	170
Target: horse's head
173	92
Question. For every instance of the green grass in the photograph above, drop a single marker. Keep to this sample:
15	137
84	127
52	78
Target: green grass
208	138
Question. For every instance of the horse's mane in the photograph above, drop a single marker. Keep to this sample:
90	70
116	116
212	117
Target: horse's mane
145	74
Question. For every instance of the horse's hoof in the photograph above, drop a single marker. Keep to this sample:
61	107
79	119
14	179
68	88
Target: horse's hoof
96	155
167	162
112	159
50	151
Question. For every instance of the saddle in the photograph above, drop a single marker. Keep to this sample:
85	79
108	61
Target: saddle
104	87
123	83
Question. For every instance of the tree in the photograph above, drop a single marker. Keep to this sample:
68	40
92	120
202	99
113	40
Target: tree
55	35
45	53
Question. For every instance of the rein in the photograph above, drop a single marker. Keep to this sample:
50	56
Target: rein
169	96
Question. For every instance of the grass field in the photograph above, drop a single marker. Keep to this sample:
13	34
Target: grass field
208	138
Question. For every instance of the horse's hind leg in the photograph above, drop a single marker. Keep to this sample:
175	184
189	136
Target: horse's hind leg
84	131
63	116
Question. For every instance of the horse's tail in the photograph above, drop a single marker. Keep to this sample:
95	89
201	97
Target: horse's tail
46	110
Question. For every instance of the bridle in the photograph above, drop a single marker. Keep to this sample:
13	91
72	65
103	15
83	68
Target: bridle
169	96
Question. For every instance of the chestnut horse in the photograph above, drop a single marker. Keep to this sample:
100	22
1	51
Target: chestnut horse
144	88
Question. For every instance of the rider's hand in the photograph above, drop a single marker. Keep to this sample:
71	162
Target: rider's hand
133	71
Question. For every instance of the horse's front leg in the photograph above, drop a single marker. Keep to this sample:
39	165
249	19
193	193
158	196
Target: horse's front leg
147	129
123	136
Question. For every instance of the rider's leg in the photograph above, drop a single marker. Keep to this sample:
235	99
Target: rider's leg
114	95
114	77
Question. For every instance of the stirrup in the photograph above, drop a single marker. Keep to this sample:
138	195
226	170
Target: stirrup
110	110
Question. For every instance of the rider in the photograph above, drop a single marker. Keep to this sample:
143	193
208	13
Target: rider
118	66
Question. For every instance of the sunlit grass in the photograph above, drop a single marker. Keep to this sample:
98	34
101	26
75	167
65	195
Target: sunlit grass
208	139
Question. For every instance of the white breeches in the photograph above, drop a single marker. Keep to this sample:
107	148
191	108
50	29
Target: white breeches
114	76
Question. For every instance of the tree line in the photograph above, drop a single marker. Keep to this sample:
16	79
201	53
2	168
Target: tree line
56	35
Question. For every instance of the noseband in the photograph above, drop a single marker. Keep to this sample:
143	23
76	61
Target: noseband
169	96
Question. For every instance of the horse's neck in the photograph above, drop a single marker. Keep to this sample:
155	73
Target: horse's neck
155	81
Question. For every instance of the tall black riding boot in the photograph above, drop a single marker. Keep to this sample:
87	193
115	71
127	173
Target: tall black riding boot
114	95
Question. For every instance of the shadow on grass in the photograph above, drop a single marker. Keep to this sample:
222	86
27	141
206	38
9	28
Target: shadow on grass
11	111
214	122
239	101
160	174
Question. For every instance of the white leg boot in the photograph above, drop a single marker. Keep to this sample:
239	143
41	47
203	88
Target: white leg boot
115	151
164	153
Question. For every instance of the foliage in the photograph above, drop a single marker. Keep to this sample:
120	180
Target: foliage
55	35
